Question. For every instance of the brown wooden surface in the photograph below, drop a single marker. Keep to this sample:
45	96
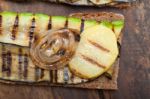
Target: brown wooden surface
134	74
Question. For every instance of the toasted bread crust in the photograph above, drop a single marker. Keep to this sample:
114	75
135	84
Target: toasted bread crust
110	16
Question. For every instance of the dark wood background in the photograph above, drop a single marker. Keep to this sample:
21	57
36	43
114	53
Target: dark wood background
134	74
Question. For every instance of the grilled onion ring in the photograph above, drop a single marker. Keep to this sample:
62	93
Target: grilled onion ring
54	50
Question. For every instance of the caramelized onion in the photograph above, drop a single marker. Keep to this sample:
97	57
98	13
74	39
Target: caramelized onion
54	50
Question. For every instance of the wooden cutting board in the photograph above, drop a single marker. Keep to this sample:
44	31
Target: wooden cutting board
134	74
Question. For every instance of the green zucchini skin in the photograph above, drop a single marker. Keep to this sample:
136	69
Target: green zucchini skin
22	28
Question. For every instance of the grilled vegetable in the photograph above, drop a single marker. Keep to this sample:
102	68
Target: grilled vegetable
24	28
96	52
121	3
16	65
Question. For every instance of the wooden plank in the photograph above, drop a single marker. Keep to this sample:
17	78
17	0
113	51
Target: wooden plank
134	75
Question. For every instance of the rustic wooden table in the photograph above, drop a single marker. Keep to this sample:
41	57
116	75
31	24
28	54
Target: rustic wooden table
134	74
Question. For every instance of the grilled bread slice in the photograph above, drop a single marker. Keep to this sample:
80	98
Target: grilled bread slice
96	52
54	78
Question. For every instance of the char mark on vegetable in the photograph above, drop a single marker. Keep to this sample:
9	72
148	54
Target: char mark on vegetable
20	63
31	32
99	46
0	24
49	23
26	63
15	28
9	63
66	23
82	25
92	61
6	61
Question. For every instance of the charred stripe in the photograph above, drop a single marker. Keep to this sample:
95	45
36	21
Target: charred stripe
0	24
26	62
90	60
15	28
76	35
9	63
6	61
113	29
31	32
82	26
119	48
49	24
66	23
3	58
98	46
20	61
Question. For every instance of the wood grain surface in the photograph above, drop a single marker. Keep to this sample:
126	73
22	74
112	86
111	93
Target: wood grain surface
134	73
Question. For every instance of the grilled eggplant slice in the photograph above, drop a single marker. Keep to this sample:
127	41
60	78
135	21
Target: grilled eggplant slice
96	52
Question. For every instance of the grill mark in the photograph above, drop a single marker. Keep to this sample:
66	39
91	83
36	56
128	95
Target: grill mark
92	61
51	76
31	33
66	23
55	76
20	61
82	25
15	28
113	29
3	58
25	66
119	48
9	63
49	24
77	37
98	46
0	24
6	61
